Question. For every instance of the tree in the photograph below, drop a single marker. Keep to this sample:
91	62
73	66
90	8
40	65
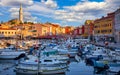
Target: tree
25	22
12	22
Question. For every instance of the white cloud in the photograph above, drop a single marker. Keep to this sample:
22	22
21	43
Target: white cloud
0	3
87	10
59	12
39	7
15	15
13	9
67	16
50	3
27	15
48	8
112	4
89	7
73	14
16	2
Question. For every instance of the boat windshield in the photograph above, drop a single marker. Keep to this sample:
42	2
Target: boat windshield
47	60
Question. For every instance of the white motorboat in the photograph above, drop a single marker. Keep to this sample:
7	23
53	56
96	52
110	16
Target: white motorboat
58	54
46	65
77	58
72	51
11	53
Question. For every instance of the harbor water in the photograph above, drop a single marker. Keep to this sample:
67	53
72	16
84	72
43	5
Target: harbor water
75	68
7	67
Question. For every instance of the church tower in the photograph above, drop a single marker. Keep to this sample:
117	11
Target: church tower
21	14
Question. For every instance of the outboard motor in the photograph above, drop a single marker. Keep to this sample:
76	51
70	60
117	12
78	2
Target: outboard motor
91	60
101	69
100	57
20	56
118	73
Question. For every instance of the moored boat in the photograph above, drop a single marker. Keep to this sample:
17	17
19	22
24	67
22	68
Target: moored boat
11	53
46	65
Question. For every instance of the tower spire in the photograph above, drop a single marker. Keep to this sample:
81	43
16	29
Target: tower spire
21	14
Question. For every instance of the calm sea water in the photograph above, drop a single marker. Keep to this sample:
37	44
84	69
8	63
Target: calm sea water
75	68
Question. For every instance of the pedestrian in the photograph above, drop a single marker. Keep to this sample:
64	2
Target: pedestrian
106	43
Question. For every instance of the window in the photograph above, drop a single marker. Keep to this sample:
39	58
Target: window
5	32
8	32
103	31
98	31
47	60
110	30
2	32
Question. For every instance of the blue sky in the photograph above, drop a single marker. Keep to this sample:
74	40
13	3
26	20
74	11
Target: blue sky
63	12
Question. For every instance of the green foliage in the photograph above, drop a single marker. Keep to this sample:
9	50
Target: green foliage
12	22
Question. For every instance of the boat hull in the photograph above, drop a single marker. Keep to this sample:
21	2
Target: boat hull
29	71
60	71
8	56
25	71
12	55
72	54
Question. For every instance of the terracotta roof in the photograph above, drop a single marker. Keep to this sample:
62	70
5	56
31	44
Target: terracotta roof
7	29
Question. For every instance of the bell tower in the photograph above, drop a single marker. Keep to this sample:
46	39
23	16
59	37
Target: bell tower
21	14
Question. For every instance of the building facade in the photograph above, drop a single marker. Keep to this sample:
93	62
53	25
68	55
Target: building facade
68	30
5	32
104	26
89	25
117	25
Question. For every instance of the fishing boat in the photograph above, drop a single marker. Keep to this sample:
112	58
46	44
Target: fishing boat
11	53
112	67
114	70
71	52
46	65
56	54
77	58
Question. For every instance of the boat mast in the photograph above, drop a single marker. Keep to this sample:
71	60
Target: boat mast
16	42
39	60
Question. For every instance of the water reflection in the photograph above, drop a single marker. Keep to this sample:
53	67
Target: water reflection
7	61
37	74
75	68
72	60
7	67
